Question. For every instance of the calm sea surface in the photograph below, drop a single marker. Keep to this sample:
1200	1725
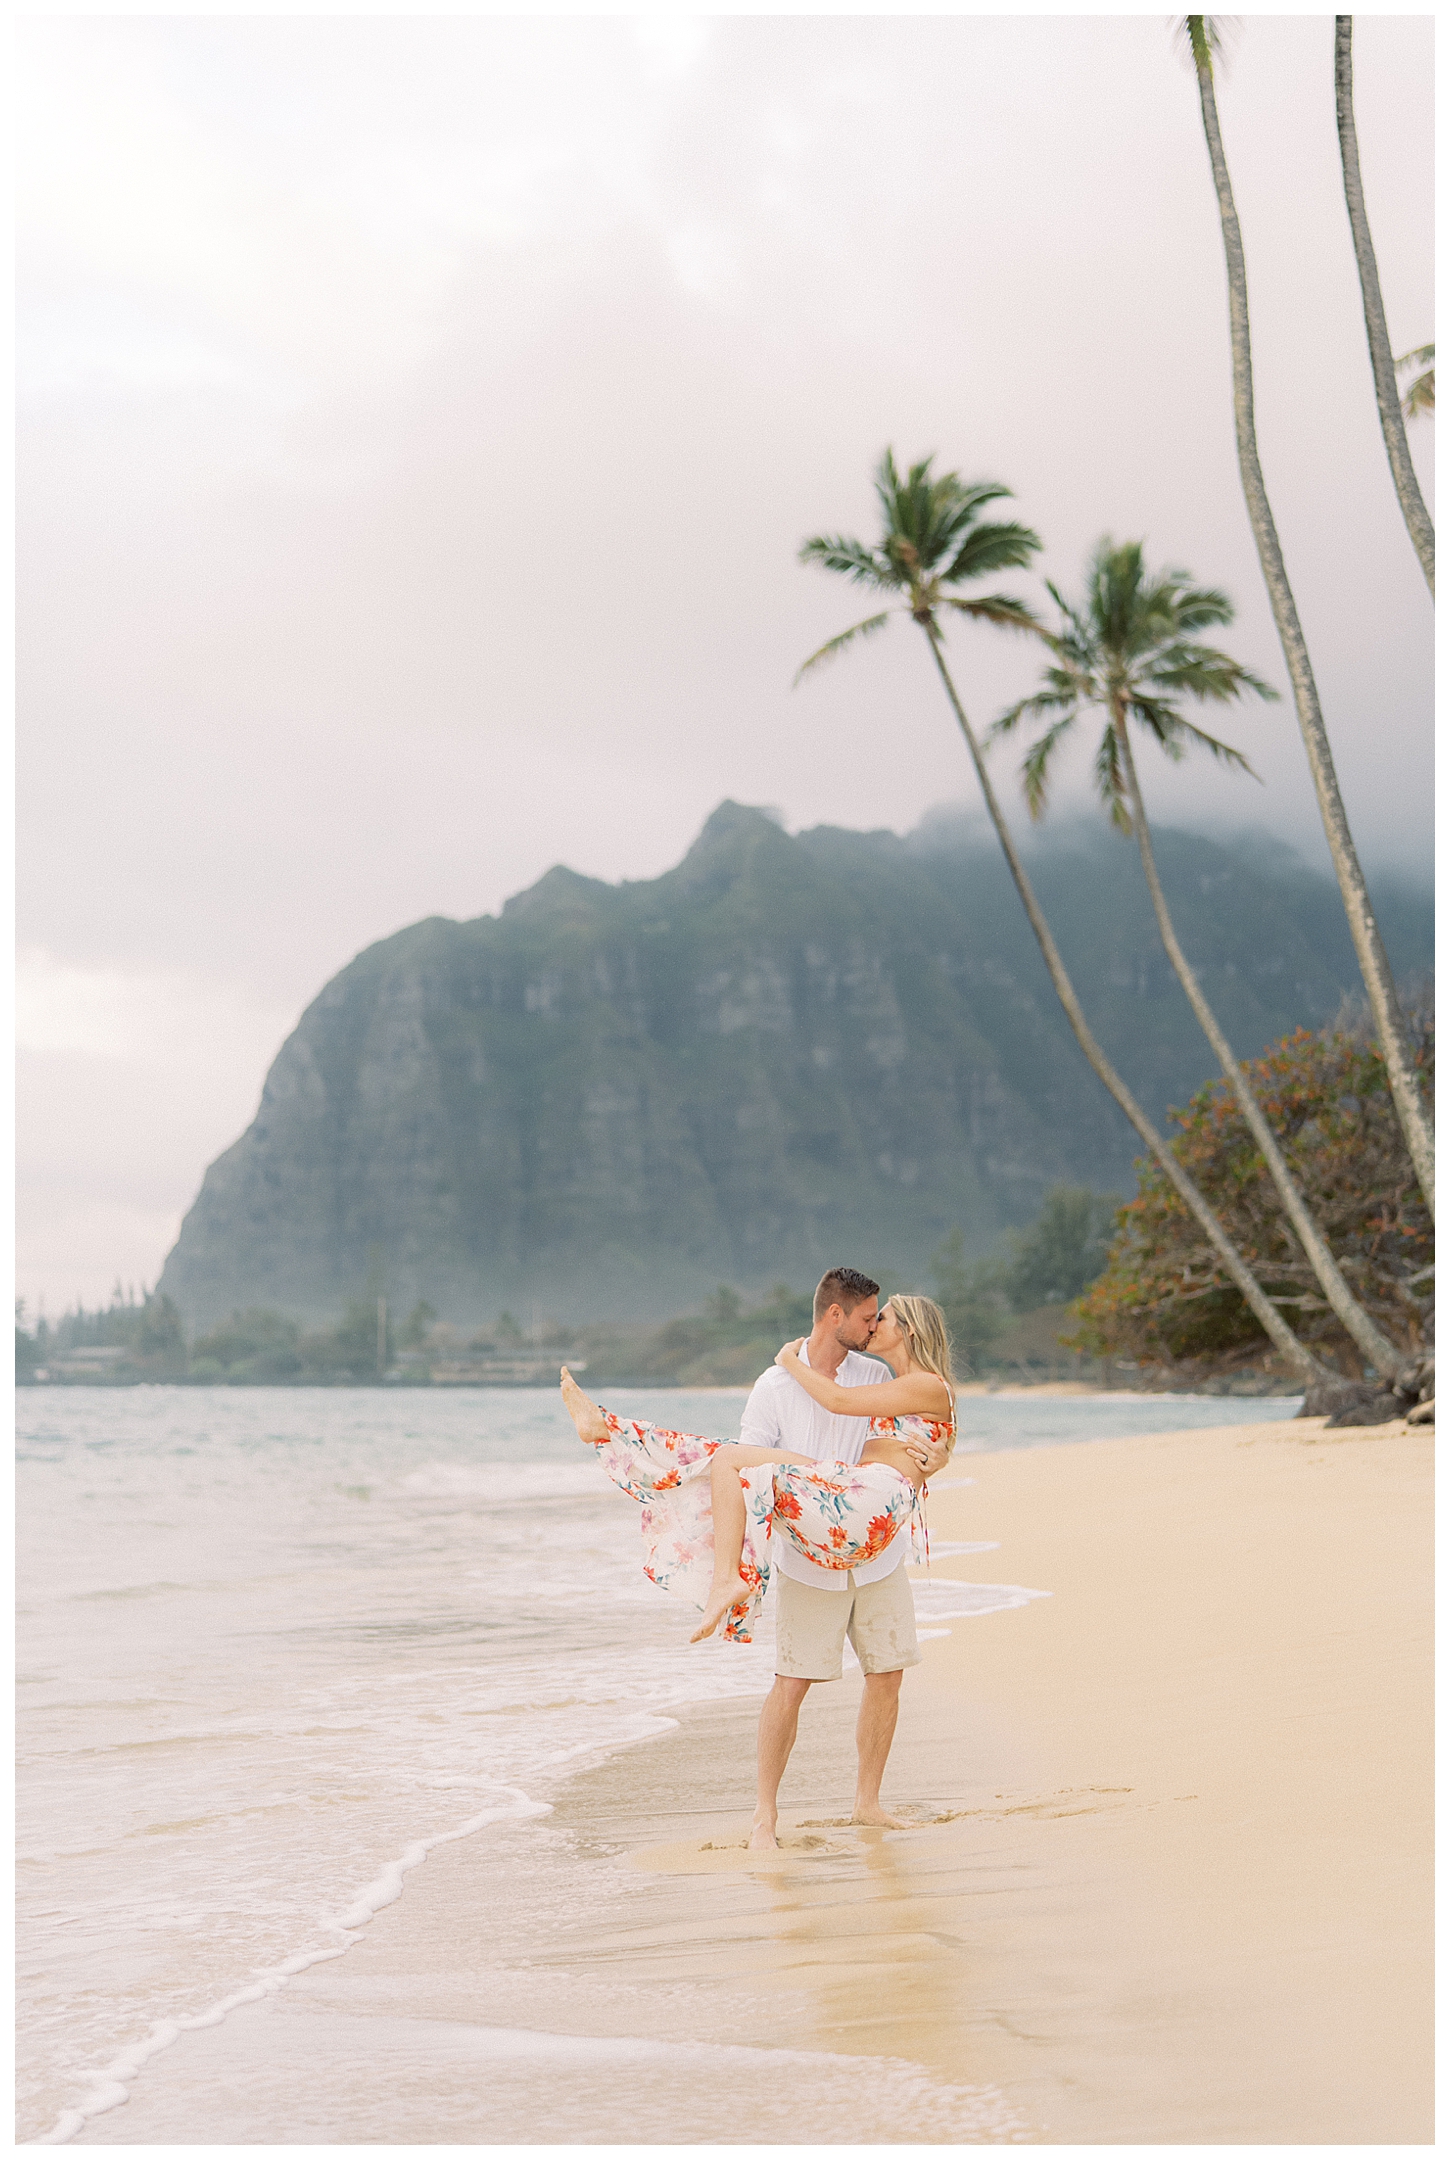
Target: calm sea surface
272	1643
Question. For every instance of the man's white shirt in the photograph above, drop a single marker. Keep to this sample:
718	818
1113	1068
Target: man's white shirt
781	1414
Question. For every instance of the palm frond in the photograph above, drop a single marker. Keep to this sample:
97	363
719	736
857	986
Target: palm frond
1044	701
974	495
960	503
1112	785
1205	673
1198	606
836	645
1164	722
986	549
1420	397
1224	752
1038	759
1000	608
1076	638
886	479
849	558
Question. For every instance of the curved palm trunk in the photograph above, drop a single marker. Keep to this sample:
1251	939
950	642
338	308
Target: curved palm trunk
1270	1319
1369	947
1386	390
1378	1348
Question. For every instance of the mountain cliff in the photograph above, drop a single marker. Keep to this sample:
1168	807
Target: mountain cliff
785	1051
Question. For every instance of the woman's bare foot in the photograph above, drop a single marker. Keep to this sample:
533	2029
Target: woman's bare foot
718	1603
722	1597
871	1811
588	1417
762	1836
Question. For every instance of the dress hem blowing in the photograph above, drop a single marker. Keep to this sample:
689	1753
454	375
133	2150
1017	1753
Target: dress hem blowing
838	1515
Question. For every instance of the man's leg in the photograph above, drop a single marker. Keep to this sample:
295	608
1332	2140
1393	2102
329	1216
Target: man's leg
883	1635
810	1629
875	1730
779	1717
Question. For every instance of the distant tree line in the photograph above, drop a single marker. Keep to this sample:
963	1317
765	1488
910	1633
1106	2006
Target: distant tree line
146	1331
145	1339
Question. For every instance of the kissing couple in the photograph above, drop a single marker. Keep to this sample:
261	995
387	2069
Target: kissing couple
824	1487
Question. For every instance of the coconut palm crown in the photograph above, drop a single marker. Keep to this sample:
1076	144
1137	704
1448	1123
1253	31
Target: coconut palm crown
933	538
1131	648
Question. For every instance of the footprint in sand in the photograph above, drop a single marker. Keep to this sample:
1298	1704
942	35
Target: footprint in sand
846	1822
786	1844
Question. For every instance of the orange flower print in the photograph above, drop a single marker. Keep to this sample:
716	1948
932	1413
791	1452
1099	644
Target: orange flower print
833	1515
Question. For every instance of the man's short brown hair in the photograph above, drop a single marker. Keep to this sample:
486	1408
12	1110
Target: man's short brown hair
843	1286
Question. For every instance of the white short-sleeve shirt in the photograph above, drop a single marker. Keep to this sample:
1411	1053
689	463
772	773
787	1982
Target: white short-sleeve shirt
781	1414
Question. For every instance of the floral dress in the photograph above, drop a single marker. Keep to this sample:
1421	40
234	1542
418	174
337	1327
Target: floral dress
837	1514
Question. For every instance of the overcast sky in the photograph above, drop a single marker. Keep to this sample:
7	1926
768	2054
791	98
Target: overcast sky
420	418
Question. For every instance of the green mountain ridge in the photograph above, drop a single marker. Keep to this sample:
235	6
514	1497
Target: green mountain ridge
784	1052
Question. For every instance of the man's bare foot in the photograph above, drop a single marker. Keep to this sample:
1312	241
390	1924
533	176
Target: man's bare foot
871	1811
722	1597
763	1838
588	1417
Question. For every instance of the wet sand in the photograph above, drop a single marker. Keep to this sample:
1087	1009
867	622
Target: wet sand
1168	1880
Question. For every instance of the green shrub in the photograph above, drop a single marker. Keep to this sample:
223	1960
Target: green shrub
1163	1297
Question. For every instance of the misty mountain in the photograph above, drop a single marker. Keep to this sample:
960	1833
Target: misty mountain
787	1051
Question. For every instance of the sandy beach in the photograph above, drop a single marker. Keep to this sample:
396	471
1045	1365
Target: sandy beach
1167	1877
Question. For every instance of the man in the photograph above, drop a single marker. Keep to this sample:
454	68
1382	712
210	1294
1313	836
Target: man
817	1608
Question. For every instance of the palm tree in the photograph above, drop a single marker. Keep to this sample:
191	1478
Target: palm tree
1131	650
1386	390
933	540
1410	1106
1420	397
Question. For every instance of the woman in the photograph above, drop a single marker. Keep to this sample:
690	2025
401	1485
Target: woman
710	1504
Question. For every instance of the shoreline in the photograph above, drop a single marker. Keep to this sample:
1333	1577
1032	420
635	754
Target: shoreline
1168	1879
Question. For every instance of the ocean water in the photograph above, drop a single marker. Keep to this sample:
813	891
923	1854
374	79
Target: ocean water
273	1645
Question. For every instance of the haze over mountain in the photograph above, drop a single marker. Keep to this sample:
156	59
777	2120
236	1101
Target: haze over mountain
785	1051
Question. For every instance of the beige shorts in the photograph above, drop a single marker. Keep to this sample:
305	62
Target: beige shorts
811	1625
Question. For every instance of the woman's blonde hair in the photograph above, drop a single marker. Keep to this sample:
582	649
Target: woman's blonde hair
925	1327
